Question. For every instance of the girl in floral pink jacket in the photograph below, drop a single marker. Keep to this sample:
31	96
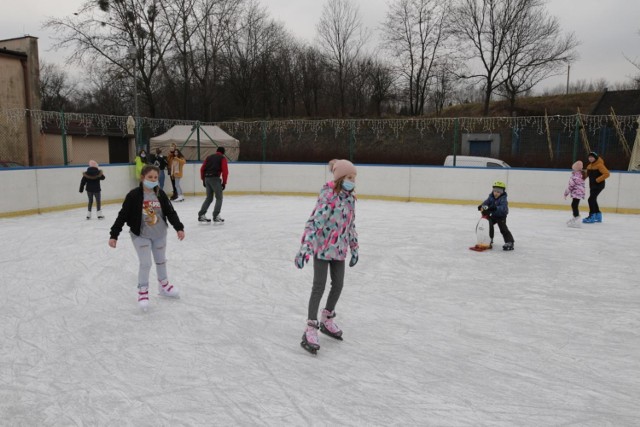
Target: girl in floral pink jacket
329	234
575	189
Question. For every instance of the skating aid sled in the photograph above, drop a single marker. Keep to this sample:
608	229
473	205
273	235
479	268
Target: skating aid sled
482	235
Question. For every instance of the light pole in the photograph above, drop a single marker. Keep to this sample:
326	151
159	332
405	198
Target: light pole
133	55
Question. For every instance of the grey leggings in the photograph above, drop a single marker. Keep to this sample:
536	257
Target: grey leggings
319	281
145	247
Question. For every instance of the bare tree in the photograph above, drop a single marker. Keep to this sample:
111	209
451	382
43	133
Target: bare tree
209	42
341	36
257	37
56	92
444	76
636	63
313	70
103	30
534	51
486	27
414	33
382	84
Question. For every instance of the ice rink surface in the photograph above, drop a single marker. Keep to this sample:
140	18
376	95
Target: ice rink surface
434	334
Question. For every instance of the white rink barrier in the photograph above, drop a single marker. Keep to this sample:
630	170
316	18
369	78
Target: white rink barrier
36	190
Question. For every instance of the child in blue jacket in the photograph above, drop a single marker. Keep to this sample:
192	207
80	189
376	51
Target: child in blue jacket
497	207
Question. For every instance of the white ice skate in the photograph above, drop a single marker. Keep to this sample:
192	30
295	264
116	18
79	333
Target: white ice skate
166	289
100	216
143	298
88	214
574	222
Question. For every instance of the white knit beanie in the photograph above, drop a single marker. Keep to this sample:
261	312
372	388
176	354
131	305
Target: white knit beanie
341	168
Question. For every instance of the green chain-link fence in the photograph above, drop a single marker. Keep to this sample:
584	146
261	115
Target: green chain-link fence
59	138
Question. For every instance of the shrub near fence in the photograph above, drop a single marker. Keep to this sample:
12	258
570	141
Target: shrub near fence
535	142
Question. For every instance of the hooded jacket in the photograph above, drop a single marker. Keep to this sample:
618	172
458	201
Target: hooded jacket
498	206
597	173
91	179
330	231
575	188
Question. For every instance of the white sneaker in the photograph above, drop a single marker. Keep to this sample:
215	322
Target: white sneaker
143	298
167	290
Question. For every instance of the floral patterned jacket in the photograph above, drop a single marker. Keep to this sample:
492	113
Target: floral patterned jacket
330	231
576	186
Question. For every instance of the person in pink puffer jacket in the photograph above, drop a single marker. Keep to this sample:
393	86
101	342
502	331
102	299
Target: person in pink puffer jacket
575	189
329	235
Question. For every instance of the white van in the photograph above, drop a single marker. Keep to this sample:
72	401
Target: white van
475	161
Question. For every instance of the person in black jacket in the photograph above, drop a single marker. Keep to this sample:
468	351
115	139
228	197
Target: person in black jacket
146	210
161	162
91	179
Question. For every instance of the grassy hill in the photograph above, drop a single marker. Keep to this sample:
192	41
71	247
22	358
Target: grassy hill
531	106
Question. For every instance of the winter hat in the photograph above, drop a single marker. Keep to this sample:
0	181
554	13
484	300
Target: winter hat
220	150
341	168
93	164
594	155
577	166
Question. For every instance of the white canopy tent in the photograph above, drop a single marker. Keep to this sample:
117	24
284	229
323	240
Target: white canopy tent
186	138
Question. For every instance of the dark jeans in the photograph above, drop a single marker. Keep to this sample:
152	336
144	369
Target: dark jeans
320	268
91	195
214	187
593	200
173	184
161	179
504	230
574	207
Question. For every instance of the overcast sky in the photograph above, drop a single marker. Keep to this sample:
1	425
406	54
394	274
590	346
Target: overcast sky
607	30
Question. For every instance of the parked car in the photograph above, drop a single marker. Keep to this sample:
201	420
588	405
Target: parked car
5	164
476	161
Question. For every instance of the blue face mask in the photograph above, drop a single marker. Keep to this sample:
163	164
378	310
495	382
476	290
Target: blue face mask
348	185
150	184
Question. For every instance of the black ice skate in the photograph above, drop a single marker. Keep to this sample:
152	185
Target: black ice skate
508	246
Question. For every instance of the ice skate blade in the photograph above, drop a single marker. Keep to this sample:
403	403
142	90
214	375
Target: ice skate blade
326	332
311	350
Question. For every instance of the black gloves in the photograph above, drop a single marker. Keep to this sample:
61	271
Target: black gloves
203	184
485	208
224	186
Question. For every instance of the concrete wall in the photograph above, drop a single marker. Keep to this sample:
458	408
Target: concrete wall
43	189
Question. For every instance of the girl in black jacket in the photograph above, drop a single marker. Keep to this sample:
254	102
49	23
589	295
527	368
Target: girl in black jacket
91	179
146	210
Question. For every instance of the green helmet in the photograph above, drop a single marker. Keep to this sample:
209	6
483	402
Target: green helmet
500	184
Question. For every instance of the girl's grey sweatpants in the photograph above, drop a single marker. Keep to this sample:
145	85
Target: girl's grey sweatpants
320	268
146	247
